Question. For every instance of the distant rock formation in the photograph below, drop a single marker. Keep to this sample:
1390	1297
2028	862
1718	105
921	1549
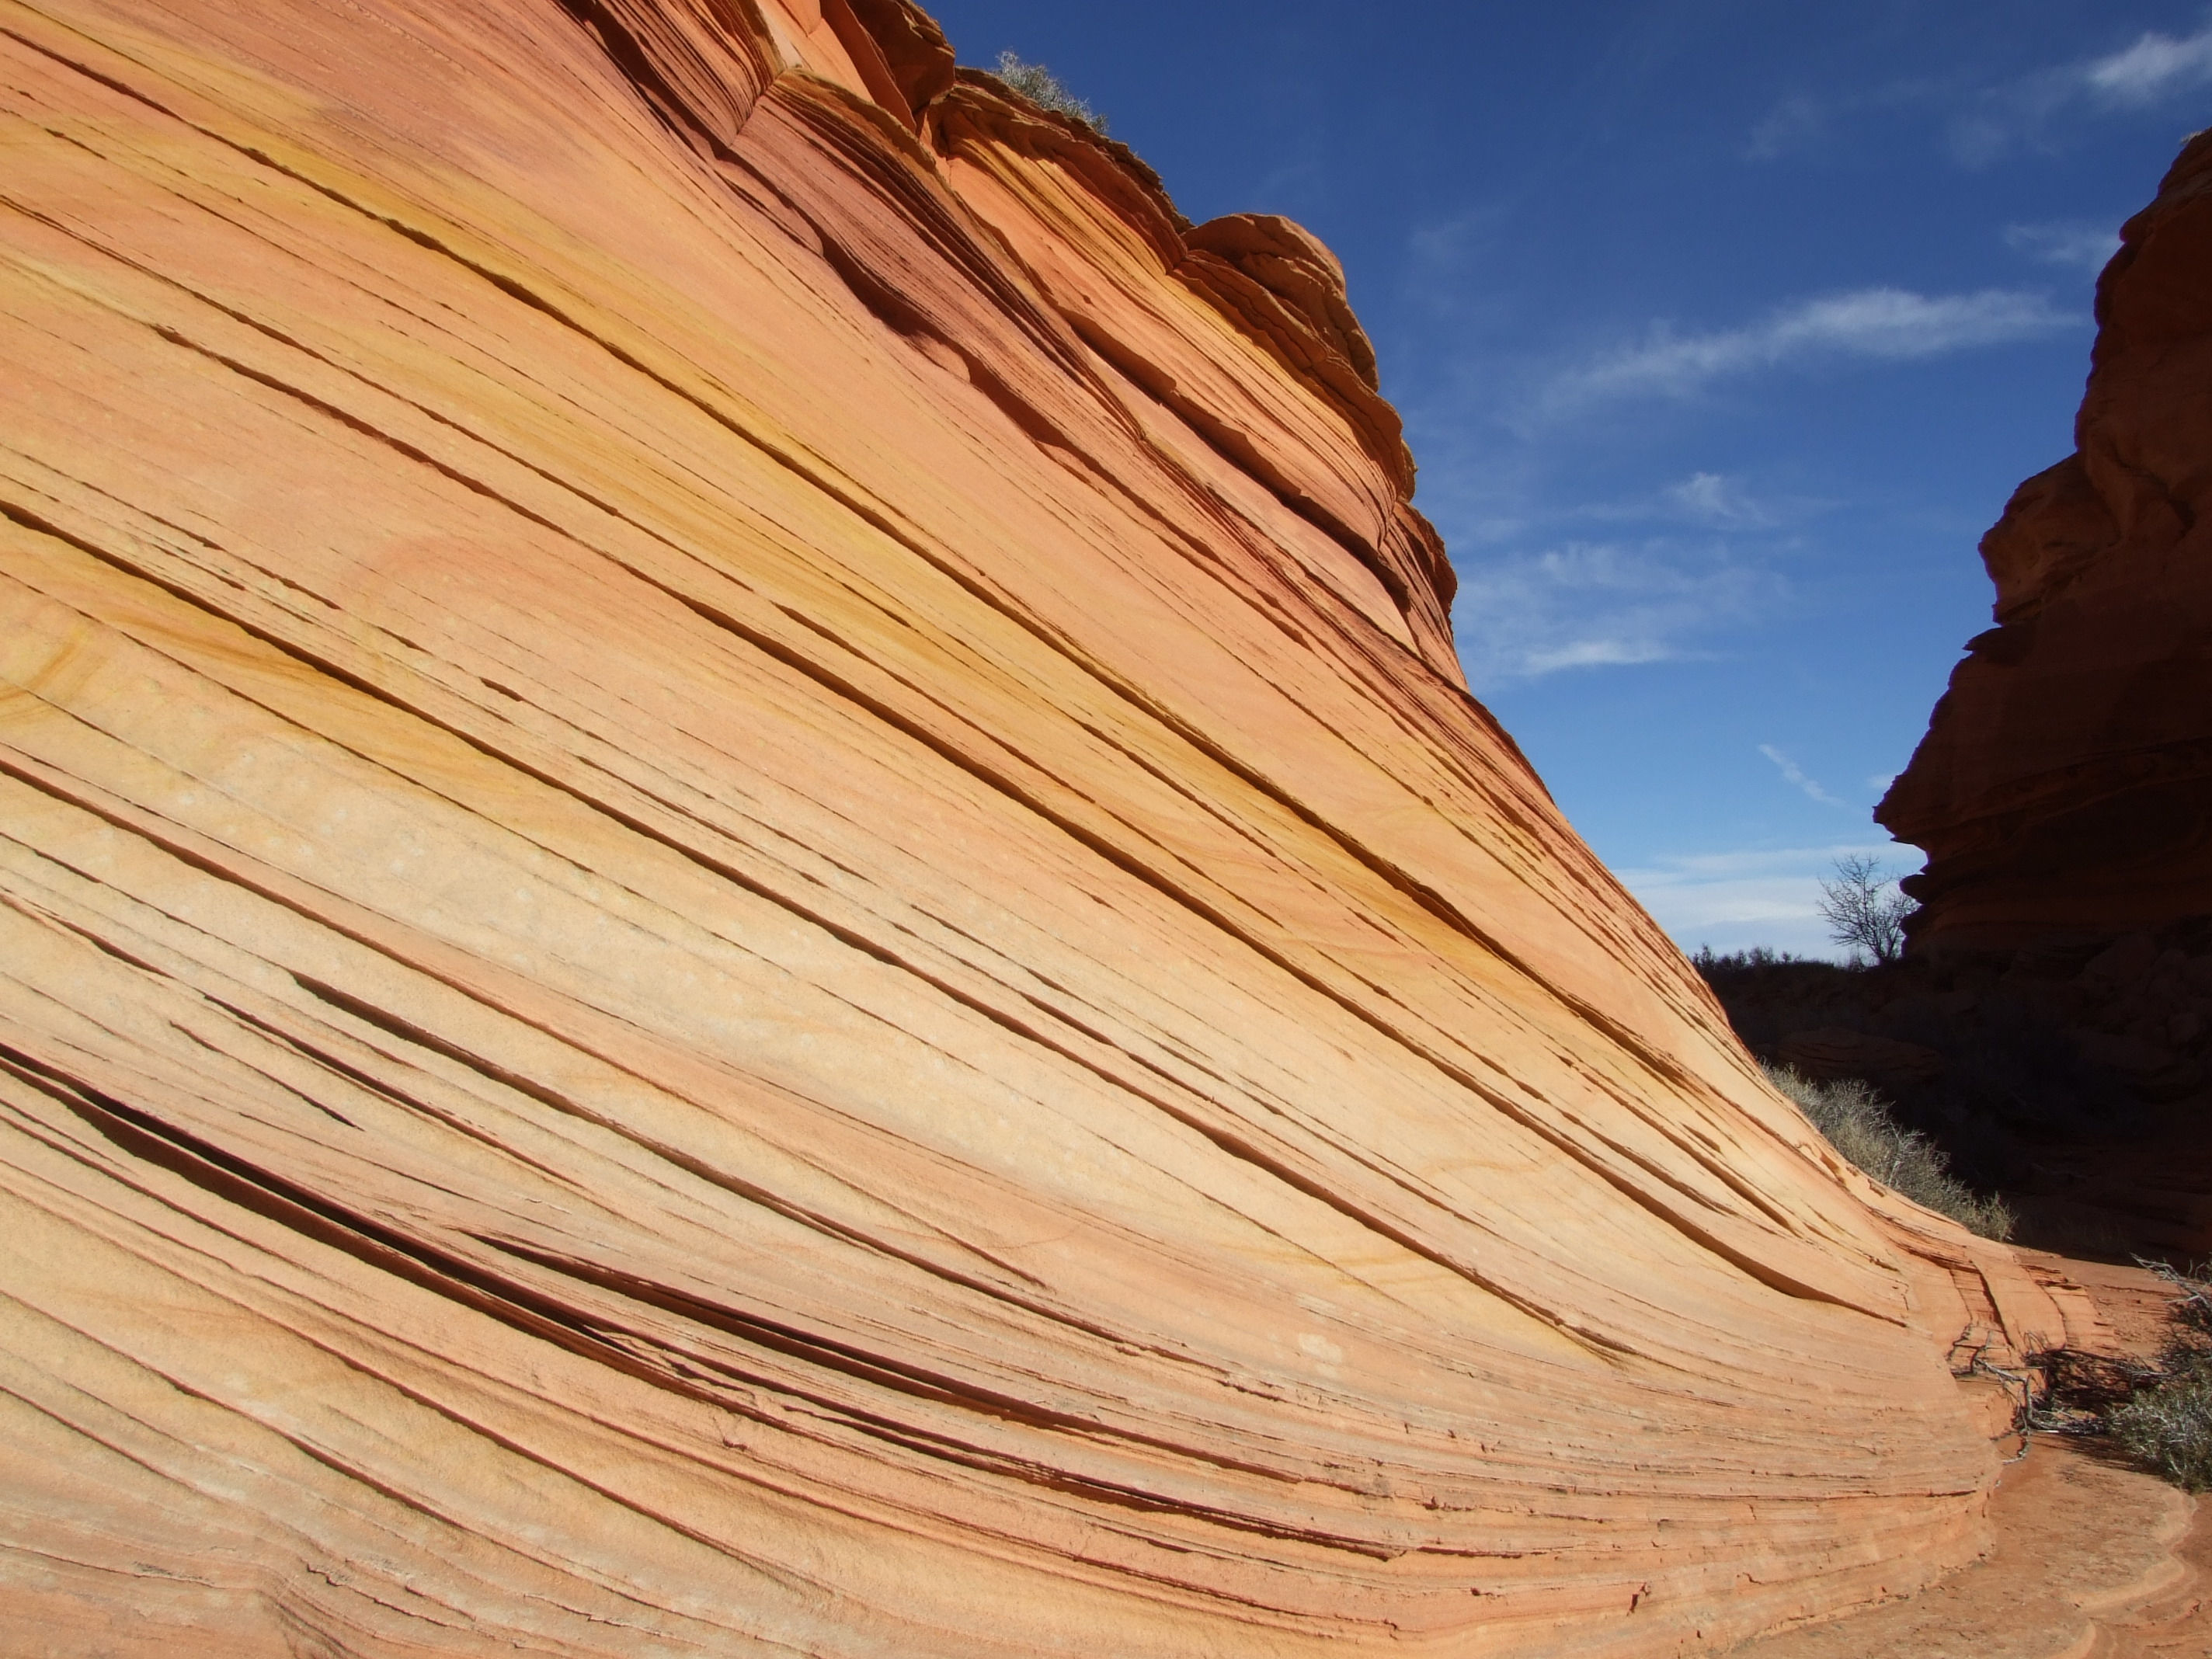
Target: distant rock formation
748	906
2064	791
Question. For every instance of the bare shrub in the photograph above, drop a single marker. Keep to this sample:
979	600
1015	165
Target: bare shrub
2169	1425
2168	1420
1858	1123
1043	88
1864	909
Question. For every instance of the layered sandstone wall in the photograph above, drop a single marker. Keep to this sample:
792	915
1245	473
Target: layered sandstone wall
747	905
2064	791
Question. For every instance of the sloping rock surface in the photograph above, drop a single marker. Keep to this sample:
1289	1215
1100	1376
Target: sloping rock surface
2064	791
747	906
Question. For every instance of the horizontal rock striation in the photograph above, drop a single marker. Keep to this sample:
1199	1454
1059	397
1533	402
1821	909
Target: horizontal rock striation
2064	791
747	905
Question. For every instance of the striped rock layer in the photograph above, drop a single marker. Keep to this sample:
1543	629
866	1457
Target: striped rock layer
748	906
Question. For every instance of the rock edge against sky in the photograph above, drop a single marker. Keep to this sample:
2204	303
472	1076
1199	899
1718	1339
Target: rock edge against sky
2064	791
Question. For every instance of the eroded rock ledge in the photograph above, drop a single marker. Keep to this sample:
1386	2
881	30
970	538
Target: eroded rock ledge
747	905
2064	791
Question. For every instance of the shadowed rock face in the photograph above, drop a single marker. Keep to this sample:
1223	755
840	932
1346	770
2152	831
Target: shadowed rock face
2064	791
747	905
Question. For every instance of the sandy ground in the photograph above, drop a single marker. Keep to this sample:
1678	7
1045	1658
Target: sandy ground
2094	1560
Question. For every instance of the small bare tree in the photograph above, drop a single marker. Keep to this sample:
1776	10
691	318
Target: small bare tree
1863	907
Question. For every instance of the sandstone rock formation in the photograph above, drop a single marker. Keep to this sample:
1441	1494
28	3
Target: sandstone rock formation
747	906
2064	791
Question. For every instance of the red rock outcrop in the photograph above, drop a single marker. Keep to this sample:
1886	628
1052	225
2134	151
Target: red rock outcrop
747	905
2064	791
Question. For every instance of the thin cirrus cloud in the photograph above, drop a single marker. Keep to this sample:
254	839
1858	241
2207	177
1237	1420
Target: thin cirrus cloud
2020	113
1887	324
1797	120
1710	498
1795	776
1985	122
2156	66
1709	501
1599	604
1729	901
2077	244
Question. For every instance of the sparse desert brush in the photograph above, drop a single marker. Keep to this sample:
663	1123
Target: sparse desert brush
2168	1420
1858	1123
1043	88
1709	962
2169	1424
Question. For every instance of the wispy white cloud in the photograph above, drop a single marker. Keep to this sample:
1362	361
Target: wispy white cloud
1445	247
1735	900
1447	274
2079	244
2022	112
1712	499
1891	323
1611	651
1749	863
1983	120
1794	774
1587	604
1799	121
2154	67
1880	782
1703	500
1796	120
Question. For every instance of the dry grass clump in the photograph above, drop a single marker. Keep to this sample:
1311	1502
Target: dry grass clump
1043	88
2168	1420
2169	1425
1858	1123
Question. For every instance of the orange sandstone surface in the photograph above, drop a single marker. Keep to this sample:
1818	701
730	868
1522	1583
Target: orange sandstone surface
747	905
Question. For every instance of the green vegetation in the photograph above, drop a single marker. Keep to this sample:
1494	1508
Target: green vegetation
1716	965
1858	1123
1043	88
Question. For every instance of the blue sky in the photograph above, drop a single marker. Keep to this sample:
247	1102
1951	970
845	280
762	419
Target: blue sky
1722	330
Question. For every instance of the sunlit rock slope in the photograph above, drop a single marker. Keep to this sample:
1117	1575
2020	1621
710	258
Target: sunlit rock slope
2064	791
747	905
